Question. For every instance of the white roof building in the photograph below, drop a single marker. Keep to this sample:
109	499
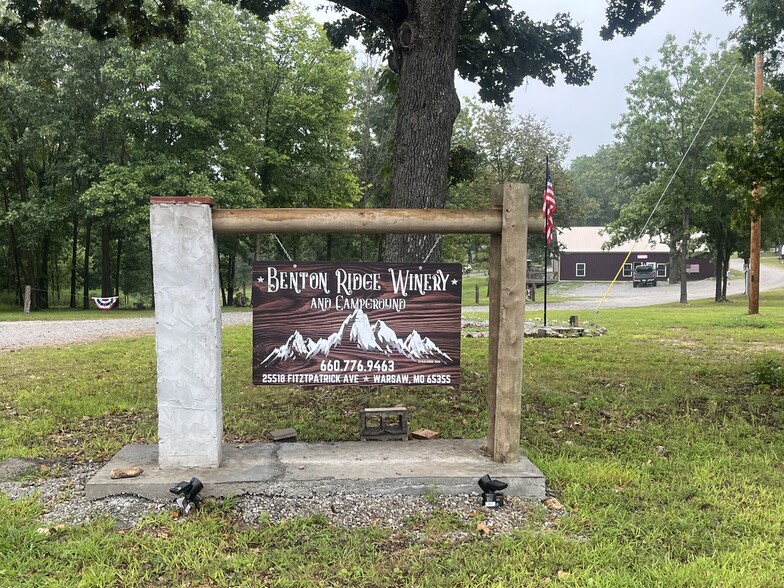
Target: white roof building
592	239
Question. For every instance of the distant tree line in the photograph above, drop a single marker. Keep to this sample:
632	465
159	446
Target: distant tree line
258	114
248	113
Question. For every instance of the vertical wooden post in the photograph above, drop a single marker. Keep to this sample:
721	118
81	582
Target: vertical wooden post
511	323
494	302
28	296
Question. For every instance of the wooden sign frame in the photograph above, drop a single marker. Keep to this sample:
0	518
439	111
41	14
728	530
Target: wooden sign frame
507	223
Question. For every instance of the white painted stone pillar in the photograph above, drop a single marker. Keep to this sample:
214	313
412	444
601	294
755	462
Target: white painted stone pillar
187	332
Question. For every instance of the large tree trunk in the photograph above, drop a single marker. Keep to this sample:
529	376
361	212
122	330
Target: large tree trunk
427	106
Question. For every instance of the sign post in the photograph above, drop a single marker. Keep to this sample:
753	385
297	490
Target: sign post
508	259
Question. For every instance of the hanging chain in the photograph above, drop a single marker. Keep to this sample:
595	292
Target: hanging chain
433	248
283	247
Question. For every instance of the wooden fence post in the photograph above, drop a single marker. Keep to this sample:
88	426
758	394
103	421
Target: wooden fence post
510	317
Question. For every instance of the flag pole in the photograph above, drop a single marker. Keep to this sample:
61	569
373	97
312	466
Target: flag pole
546	251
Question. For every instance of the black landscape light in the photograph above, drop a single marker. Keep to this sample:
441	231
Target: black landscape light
492	497
187	492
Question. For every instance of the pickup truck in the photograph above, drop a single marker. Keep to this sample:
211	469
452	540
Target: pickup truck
643	274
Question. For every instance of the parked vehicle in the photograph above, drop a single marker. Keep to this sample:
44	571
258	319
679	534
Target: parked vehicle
643	275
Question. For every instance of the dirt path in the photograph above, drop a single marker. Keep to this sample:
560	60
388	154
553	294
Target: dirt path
21	334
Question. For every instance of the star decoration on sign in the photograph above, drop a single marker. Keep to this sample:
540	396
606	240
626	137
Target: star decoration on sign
366	378
454	282
260	279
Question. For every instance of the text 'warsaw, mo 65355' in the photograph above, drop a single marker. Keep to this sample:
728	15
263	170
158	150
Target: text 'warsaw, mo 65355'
358	324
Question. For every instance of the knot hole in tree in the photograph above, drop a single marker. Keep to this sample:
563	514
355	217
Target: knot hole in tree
405	35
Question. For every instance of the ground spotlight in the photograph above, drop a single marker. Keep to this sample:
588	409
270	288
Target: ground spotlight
187	499
492	497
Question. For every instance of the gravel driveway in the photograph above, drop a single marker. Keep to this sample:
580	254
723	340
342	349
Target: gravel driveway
624	295
20	334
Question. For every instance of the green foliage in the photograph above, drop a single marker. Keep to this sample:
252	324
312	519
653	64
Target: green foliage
372	133
678	107
138	22
509	149
604	190
768	373
246	113
758	159
304	119
763	31
624	17
499	57
497	47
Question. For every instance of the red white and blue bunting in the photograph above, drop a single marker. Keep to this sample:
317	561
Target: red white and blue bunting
107	303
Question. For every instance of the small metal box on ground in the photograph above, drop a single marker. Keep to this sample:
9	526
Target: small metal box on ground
383	424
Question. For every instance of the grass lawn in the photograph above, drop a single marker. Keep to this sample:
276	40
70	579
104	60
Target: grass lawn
664	439
558	292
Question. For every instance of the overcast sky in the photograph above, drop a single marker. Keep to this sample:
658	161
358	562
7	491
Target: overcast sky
587	113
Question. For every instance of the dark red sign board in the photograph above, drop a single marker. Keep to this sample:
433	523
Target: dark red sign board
356	324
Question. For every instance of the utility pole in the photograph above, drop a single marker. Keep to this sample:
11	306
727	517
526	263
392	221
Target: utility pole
756	219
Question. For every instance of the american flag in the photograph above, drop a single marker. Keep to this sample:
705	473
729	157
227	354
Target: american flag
549	206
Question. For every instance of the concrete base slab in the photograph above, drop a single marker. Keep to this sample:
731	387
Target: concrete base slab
447	466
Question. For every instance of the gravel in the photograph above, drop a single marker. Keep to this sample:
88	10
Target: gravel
21	334
59	486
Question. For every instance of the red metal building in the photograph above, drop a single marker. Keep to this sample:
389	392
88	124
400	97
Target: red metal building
584	257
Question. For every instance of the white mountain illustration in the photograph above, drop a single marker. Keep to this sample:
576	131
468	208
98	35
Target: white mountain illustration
418	348
379	338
